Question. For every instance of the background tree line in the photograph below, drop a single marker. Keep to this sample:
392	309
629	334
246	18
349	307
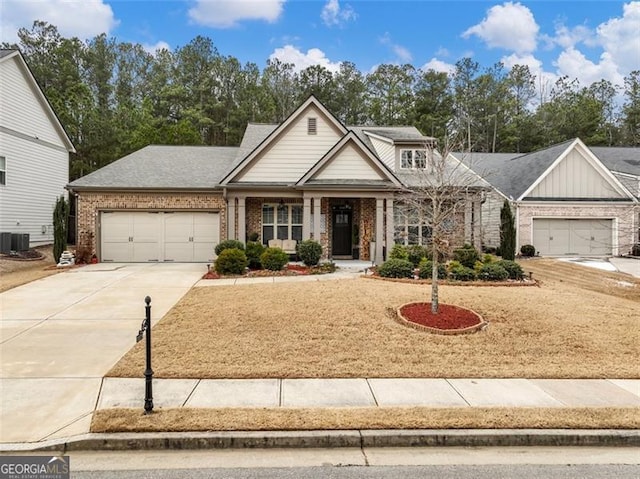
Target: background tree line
114	98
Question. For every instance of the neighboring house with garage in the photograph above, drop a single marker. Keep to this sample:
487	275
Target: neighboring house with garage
308	177
34	153
568	199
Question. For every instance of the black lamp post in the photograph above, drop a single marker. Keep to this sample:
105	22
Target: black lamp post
148	372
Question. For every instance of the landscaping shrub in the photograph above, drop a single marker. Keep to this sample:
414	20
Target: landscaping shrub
426	270
478	266
416	253
229	244
254	236
513	269
467	255
507	232
231	261
396	268
453	264
274	259
528	250
399	252
254	250
488	258
462	273
493	272
310	252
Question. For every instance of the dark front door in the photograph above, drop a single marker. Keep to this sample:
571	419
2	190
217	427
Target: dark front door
341	244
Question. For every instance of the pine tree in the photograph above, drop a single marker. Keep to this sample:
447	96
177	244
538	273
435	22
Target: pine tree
507	232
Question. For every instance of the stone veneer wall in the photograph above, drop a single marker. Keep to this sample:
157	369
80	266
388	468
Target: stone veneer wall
90	204
625	214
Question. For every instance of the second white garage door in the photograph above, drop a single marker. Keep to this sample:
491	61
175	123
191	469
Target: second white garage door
134	237
555	237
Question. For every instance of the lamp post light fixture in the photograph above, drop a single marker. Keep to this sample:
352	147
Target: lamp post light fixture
148	372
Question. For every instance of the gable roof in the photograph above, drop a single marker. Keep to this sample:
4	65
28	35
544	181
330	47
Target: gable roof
620	159
7	55
164	167
275	133
387	177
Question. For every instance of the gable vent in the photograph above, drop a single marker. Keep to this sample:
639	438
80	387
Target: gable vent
312	126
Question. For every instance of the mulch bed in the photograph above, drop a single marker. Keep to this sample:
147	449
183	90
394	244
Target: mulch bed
289	270
509	282
29	255
450	319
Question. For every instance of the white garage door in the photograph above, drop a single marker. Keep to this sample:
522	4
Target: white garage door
555	237
135	237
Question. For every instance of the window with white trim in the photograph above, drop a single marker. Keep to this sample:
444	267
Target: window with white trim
410	226
281	221
413	159
3	170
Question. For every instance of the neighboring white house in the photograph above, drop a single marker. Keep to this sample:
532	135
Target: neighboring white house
34	153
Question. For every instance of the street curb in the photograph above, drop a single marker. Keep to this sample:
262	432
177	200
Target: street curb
332	439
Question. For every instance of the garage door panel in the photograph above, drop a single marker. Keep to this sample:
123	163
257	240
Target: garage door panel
146	227
204	251
115	227
562	236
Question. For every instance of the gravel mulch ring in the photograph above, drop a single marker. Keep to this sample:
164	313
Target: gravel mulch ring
283	419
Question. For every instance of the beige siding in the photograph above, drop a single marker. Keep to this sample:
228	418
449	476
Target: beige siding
385	151
491	219
348	164
574	177
20	107
292	154
36	176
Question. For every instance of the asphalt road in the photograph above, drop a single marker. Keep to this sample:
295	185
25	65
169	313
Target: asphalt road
384	472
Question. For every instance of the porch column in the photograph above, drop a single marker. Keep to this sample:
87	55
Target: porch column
242	219
316	218
468	213
379	230
306	218
390	225
477	224
231	217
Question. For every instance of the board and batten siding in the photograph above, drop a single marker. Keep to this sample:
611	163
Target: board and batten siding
385	151
35	177
21	109
291	155
348	164
575	177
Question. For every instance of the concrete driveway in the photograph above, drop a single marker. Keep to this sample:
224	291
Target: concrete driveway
60	335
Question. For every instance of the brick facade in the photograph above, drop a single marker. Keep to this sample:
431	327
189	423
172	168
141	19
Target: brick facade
90	204
624	215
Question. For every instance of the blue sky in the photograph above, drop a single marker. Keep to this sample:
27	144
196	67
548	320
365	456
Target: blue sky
588	40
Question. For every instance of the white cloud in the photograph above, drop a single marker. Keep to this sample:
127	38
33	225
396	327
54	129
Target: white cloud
152	49
620	38
569	37
439	66
227	13
510	26
544	79
573	63
301	60
83	19
403	54
334	15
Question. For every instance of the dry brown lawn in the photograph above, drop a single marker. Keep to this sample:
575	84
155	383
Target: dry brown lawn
343	329
15	273
243	419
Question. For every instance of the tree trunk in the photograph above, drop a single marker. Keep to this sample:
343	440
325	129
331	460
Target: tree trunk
435	300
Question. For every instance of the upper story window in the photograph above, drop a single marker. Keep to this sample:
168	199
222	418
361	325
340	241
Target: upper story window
413	159
312	126
3	170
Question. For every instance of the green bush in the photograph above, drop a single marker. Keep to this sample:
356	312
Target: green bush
310	252
478	266
488	258
231	261
528	250
426	270
467	255
453	264
399	252
274	259
396	268
416	253
493	272
254	236
254	250
229	244
462	273
513	269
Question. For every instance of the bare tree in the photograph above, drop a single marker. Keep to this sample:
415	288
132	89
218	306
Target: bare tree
440	187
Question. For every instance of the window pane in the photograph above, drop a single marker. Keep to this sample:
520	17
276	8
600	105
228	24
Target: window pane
296	233
413	217
267	214
405	159
399	235
426	235
283	214
420	159
283	232
296	214
412	237
267	234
